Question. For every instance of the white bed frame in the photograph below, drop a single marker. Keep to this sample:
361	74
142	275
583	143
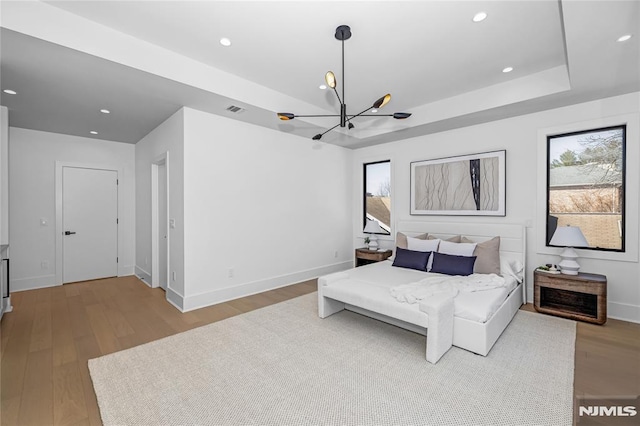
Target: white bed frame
470	335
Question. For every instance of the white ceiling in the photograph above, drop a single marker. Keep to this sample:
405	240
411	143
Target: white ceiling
436	62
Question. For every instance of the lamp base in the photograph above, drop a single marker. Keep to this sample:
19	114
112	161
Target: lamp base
373	242
568	264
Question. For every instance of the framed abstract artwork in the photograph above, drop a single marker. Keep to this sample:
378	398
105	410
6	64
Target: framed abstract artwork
467	185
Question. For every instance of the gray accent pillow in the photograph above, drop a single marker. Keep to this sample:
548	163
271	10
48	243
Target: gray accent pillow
488	256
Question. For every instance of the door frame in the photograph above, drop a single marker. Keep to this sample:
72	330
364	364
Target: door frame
59	228
155	218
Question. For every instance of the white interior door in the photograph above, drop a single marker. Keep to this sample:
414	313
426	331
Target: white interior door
90	224
162	226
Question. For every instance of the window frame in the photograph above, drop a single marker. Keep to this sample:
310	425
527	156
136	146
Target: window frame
549	138
364	193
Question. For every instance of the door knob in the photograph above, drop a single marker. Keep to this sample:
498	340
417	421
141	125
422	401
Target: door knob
69	232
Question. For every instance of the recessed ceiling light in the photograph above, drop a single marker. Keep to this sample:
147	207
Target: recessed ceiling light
624	37
323	87
105	111
374	110
507	69
480	16
93	132
10	92
225	42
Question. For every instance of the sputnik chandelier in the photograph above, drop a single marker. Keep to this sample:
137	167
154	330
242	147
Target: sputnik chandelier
343	32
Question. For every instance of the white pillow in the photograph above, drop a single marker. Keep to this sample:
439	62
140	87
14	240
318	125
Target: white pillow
417	244
512	268
457	249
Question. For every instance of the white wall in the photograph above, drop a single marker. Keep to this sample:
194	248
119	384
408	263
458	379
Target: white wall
33	155
520	137
262	203
166	138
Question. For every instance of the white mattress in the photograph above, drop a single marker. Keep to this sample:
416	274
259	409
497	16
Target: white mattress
368	287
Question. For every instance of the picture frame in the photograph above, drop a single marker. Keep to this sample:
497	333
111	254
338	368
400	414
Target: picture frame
465	185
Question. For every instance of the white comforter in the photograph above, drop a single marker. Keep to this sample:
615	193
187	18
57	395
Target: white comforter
446	286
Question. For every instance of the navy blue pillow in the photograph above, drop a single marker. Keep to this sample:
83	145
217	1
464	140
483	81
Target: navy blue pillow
452	265
411	259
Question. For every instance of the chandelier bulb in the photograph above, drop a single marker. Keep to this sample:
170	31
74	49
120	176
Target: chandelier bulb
330	78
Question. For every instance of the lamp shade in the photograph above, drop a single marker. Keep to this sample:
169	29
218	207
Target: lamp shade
568	236
373	227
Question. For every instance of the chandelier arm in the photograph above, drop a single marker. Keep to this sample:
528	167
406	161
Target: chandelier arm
359	114
328	130
320	115
337	95
374	115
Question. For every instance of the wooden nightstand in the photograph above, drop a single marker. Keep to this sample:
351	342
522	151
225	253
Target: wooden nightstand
364	256
581	297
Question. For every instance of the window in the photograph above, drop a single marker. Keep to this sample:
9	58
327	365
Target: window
586	185
377	194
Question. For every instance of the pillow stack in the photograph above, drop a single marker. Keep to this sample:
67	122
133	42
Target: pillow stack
457	255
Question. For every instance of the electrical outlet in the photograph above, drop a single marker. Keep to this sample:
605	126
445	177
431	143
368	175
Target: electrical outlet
230	272
335	254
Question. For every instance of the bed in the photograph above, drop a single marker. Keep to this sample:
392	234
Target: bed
470	320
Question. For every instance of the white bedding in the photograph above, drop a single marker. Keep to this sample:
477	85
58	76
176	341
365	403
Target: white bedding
357	286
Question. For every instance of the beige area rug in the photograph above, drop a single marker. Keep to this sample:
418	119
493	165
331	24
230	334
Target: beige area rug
282	365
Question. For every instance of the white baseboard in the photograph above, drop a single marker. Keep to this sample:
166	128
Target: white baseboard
175	299
144	276
126	270
247	289
624	312
32	283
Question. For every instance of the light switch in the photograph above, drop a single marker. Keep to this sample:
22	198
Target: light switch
172	223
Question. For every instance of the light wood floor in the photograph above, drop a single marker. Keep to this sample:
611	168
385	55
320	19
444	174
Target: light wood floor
48	338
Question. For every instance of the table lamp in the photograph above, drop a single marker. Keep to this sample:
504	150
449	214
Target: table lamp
568	237
373	228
